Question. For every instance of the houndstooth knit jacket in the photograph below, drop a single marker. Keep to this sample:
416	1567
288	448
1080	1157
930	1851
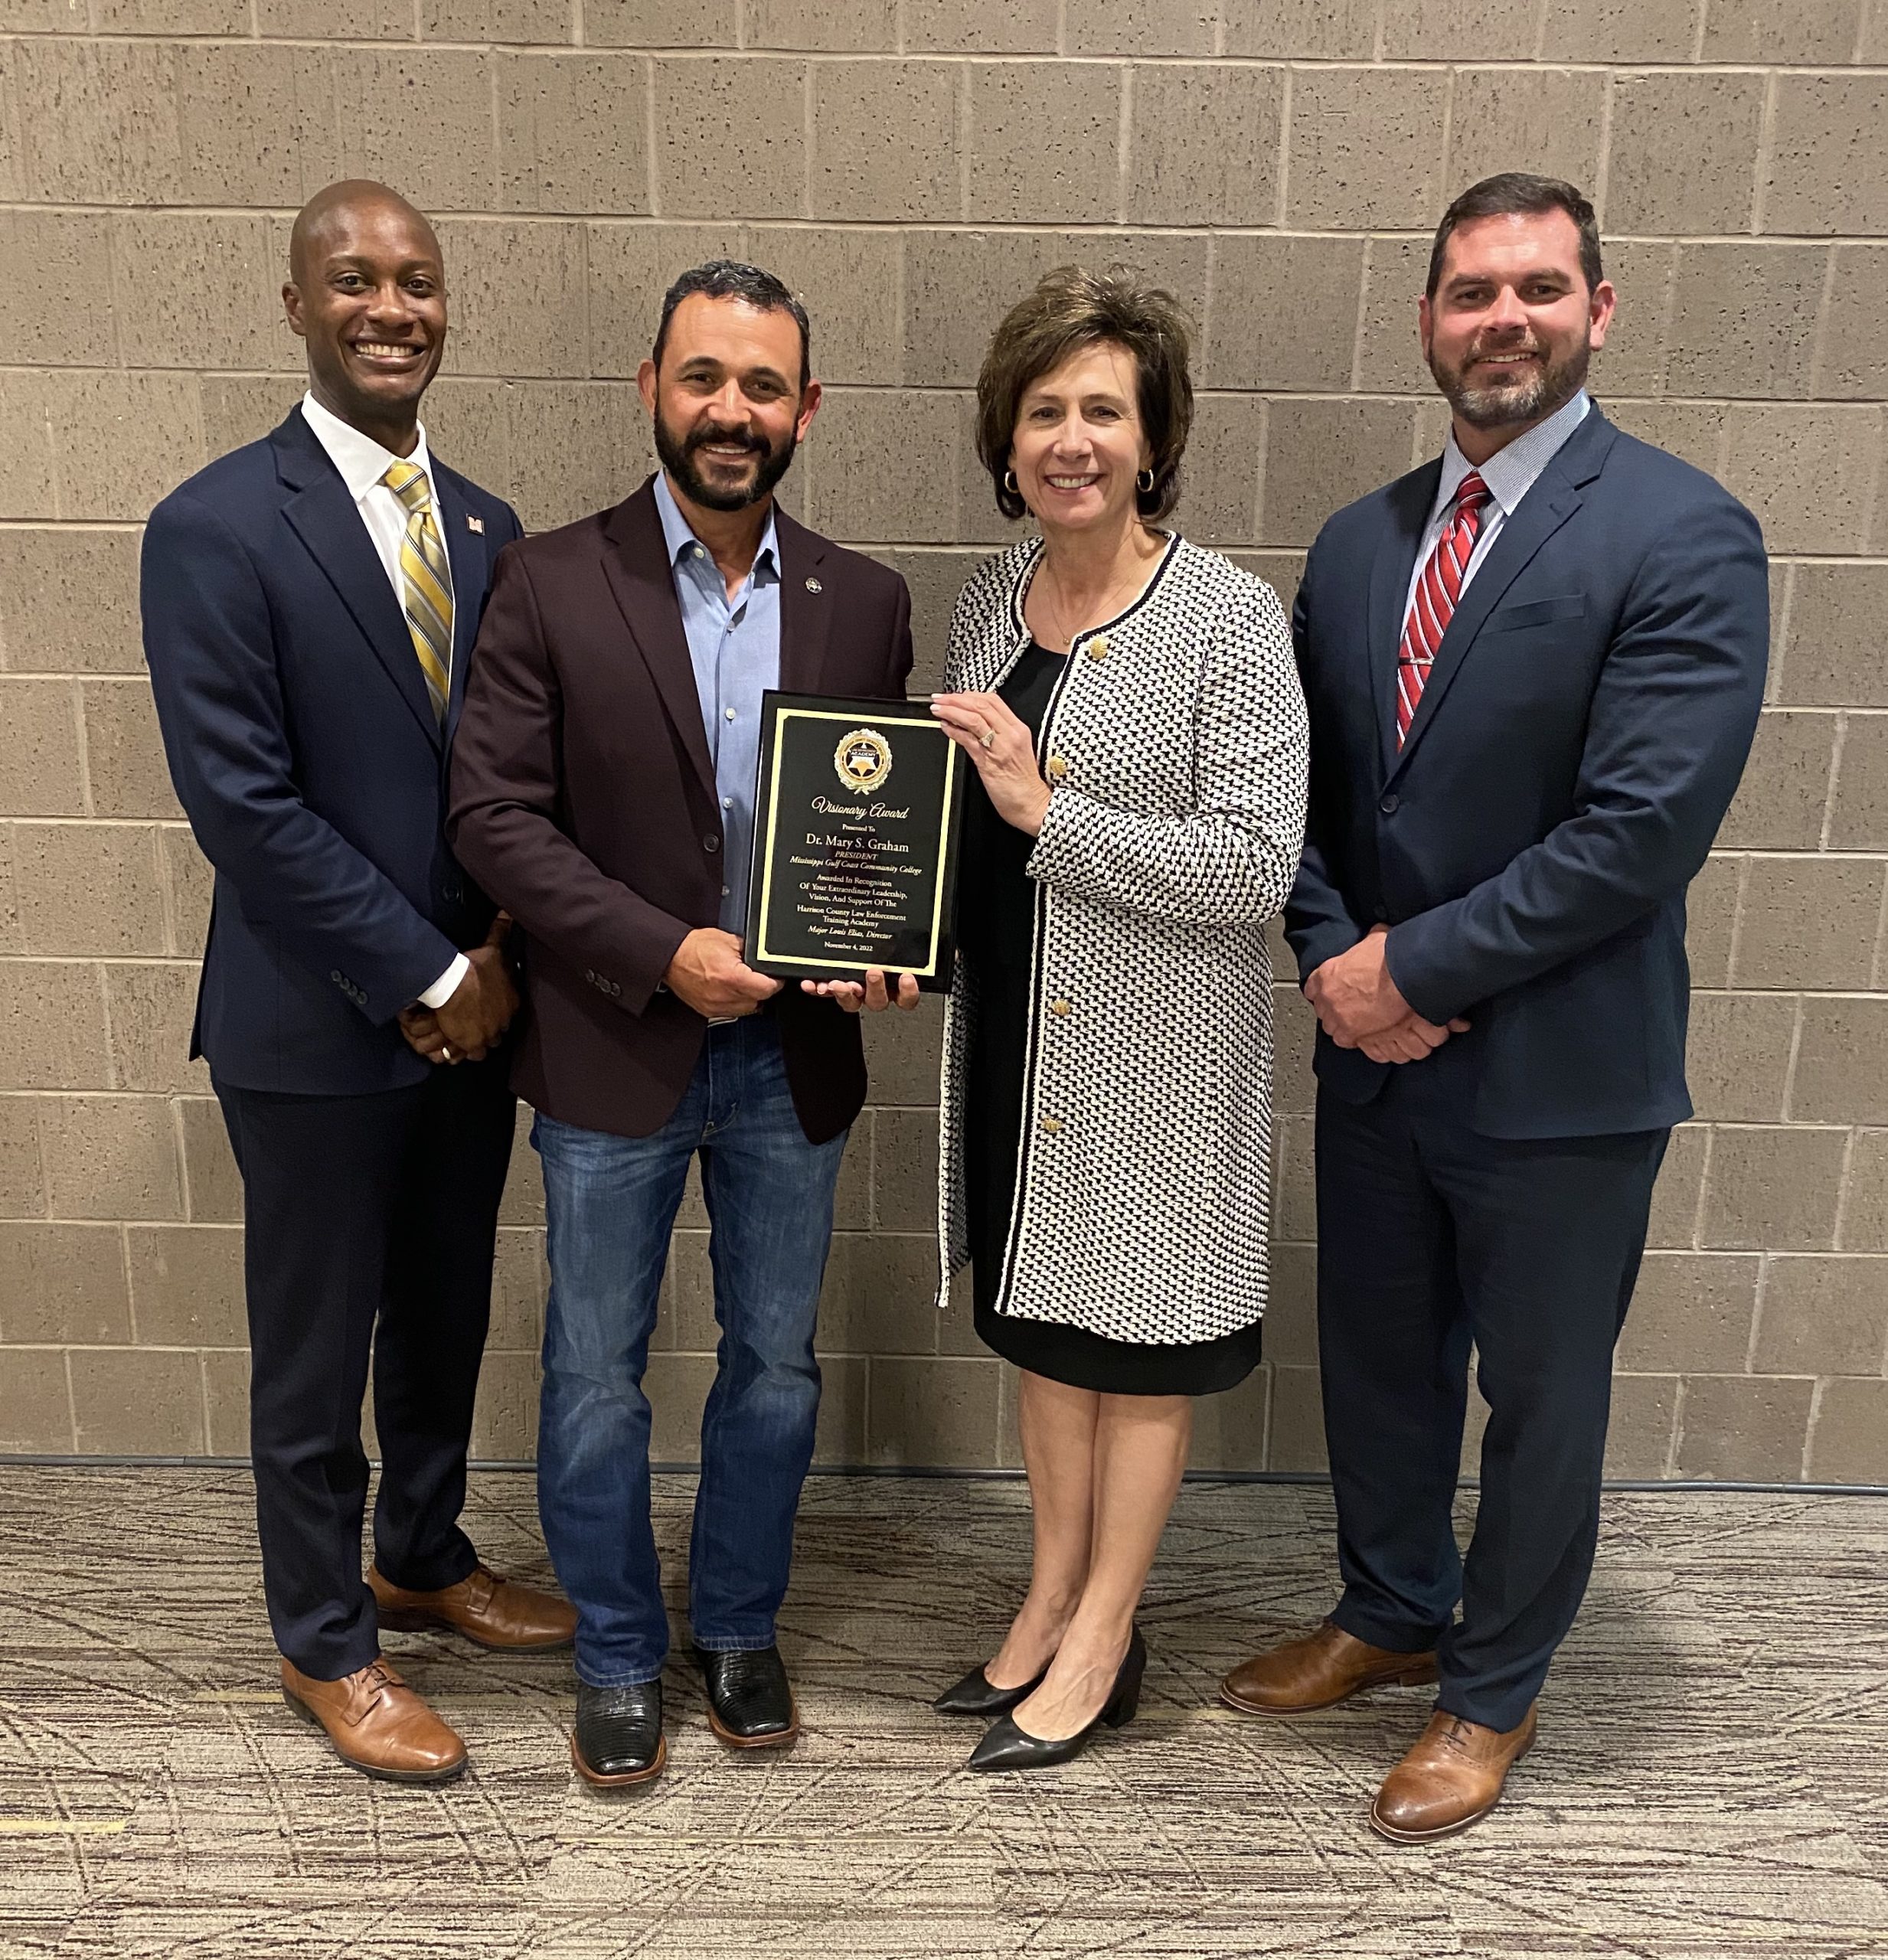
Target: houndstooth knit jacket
1175	744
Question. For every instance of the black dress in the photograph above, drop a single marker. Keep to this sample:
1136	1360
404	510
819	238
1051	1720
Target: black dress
996	935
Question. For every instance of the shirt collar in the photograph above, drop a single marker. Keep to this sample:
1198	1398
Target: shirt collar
1511	471
678	535
361	461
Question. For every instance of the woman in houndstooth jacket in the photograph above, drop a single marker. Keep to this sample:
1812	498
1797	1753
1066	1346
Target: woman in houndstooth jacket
1132	706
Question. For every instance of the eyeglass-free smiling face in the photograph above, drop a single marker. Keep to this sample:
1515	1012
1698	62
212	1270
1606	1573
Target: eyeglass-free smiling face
1079	443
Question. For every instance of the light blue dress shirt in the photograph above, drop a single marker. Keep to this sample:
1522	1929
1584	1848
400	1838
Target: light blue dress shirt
734	646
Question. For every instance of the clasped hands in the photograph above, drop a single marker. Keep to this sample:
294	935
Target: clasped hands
467	1026
1359	1006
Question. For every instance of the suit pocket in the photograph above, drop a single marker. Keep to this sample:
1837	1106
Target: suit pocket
1537	612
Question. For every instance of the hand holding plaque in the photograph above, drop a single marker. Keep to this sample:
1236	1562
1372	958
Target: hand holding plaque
856	818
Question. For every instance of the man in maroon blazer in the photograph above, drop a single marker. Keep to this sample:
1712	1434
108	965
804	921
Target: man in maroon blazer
602	785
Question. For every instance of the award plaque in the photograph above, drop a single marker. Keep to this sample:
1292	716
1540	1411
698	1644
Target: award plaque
855	834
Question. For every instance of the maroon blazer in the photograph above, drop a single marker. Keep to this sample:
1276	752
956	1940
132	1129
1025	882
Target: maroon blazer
583	802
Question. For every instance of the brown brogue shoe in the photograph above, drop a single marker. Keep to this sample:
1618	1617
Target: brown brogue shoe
1451	1779
491	1611
377	1724
1319	1669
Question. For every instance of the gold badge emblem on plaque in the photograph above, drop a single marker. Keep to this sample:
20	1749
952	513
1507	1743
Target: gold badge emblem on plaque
862	759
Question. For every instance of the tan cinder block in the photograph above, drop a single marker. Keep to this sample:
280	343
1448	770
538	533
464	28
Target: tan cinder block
52	1025
1633	360
345	20
111	1157
1859	816
1690	1310
124	752
730	138
240	409
1817	34
1321	455
1294	1035
1805	471
1127	27
257	122
394	93
852	1195
97	121
1273	301
1204	146
37	16
854	497
902	1055
576	447
200	291
1823	1316
1741	324
1228	1430
1675	1219
138	1402
1773	1190
565	142
847	279
1842	1061
211	1180
885	141
149	425
904	1171
1291	1334
941	1412
520	1276
685	1322
1294	1204
1042	140
1297	1439
677	1386
840	27
40	772
61	1284
1808	922
1743	1428
1864	1227
1281	570
27	486
1693	429
1684	152
1828	172
1480	31
1638	1439
465	426
35	1401
982	26
187	1284
934	579
630	267
1834	652
22	1181
225	1391
1849	1443
1852	363
880	1294
488	264
152	1007
839	1437
523	1201
537	23
1389	344
1780	803
504	1418
58	316
88	888
1366	149
1621	30
1711	914
661	23
1548	120
1219	481
959	284
187	887
69	601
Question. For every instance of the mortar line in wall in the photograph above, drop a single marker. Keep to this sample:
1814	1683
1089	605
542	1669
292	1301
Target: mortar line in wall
1602	171
1810	1426
1280	206
650	149
1124	126
965	119
1698	27
1754	1333
1842	1193
1824	304
1704	1185
1881	943
1766	141
1835	778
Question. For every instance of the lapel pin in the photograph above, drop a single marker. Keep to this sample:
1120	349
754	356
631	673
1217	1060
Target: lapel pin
475	523
813	585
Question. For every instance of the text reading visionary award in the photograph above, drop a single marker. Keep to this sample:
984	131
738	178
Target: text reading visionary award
854	844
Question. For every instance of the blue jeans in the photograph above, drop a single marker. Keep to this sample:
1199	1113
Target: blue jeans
611	1202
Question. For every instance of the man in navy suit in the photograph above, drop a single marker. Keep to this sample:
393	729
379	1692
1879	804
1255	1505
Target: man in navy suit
1533	669
310	605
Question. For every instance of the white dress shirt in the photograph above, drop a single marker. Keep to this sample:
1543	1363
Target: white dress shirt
1510	474
363	463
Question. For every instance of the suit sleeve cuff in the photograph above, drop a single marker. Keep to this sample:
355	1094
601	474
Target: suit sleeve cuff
443	988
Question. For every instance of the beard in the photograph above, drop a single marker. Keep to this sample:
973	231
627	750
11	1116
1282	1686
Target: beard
678	455
1500	405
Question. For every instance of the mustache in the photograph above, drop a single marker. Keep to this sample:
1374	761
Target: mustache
726	438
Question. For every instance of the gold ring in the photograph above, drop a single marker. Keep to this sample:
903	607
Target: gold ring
988	738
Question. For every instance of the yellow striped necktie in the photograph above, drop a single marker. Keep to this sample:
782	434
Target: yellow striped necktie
425	584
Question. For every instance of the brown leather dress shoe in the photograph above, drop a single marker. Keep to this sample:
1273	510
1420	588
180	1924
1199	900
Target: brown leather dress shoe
1318	1670
377	1724
1450	1780
493	1612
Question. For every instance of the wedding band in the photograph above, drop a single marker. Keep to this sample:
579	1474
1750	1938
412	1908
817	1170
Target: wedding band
987	738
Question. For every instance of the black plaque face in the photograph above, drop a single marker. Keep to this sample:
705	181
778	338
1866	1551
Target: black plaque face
855	832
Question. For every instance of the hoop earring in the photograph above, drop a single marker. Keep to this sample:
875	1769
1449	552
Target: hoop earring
1144	482
1009	481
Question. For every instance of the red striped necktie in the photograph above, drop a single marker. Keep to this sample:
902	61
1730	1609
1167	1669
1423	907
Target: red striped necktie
1436	593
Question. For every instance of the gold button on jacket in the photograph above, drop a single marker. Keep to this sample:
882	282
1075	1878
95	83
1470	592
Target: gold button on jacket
1058	767
1052	1126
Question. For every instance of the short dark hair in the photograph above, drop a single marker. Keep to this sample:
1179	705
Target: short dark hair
729	278
1071	309
1519	192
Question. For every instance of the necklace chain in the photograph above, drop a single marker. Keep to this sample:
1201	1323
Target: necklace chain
1058	619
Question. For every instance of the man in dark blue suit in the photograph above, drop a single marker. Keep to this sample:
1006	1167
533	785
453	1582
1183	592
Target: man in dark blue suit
1533	670
310	605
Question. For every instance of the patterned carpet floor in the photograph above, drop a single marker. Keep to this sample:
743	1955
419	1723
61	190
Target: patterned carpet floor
1711	1782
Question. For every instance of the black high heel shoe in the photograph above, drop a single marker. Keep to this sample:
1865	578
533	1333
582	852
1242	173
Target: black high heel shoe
975	1694
1008	1747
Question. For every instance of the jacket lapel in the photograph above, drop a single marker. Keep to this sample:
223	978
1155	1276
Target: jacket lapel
805	605
1411	499
635	564
467	550
322	514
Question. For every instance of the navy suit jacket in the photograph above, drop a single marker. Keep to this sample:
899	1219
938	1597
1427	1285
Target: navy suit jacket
1582	734
304	749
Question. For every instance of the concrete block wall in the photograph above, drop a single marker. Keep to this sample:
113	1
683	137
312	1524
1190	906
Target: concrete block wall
909	164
